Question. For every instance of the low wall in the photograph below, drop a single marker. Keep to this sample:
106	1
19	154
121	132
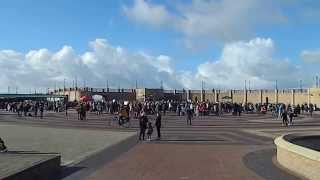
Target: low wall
296	158
43	167
286	96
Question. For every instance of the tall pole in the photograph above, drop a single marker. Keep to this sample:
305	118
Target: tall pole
64	86
76	89
136	84
245	84
314	81
245	98
161	84
76	82
276	84
249	85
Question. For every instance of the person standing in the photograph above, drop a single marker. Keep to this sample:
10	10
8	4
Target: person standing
66	108
81	111
143	126
164	108
189	114
150	131
158	125
41	108
36	107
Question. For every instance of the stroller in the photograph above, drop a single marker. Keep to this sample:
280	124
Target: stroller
124	117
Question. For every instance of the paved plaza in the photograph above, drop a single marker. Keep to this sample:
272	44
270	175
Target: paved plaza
225	147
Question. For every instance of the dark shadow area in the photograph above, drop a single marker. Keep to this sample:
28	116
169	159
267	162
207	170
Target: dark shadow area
261	163
86	167
68	170
311	142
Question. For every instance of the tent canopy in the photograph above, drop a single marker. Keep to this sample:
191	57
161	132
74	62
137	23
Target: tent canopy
85	98
98	98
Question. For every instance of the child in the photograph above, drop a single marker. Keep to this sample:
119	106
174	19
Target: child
3	147
150	131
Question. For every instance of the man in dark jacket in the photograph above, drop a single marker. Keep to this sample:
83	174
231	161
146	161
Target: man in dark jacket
189	114
158	124
143	121
284	116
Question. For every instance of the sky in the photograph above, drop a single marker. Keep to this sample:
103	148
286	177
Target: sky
178	42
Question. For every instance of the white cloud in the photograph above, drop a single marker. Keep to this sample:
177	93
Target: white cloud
147	13
43	68
208	20
310	56
251	60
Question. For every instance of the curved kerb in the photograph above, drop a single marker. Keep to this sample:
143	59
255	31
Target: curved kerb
299	159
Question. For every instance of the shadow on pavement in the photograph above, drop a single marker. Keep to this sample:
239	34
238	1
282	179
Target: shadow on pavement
67	171
30	152
261	163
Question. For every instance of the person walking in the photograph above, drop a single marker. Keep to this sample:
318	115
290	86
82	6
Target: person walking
158	125
310	109
291	115
41	108
284	116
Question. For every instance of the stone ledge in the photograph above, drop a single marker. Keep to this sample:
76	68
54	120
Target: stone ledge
301	160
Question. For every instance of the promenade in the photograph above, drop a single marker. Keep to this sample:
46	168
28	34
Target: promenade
226	147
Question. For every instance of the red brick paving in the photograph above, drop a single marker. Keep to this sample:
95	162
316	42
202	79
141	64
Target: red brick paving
179	161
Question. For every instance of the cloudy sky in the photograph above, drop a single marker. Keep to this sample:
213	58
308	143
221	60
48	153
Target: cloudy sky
179	42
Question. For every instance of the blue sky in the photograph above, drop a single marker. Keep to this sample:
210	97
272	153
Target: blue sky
178	29
51	24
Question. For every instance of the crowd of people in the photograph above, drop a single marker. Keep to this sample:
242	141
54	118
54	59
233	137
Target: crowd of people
124	111
31	108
